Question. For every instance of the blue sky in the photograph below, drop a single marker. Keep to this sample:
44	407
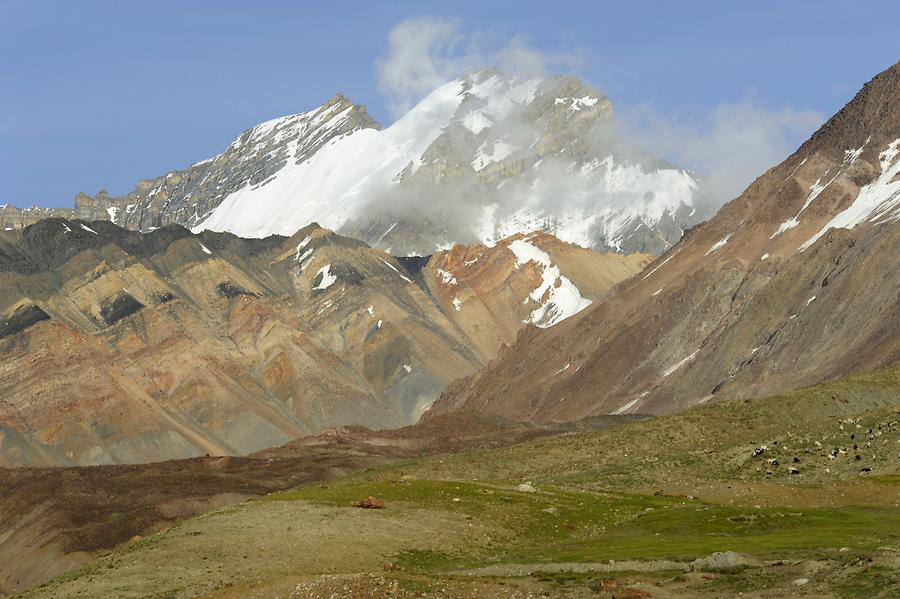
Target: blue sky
103	93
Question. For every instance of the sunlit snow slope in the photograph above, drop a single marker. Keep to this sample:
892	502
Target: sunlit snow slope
479	159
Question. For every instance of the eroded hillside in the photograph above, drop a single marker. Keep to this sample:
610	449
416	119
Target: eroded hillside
117	346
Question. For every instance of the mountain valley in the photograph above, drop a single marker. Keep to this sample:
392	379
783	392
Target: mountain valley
767	498
493	349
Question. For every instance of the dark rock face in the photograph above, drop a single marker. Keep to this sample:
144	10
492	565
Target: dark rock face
230	290
48	244
346	274
117	308
413	264
52	242
21	319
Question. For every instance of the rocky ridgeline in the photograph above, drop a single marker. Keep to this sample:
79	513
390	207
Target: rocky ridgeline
496	148
241	344
186	197
19	218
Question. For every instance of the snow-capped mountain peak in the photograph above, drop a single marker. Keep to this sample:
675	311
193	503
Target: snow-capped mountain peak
478	159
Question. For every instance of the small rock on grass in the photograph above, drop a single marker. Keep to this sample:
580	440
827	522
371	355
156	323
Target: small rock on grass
724	561
370	502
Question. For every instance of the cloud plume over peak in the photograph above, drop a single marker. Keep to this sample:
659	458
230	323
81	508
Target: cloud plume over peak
428	51
729	146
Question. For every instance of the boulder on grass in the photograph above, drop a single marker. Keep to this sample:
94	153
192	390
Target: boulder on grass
370	503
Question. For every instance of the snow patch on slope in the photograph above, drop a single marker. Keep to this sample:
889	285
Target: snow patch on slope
391	266
814	192
877	201
446	277
719	244
328	278
499	150
576	104
661	264
558	297
624	409
677	366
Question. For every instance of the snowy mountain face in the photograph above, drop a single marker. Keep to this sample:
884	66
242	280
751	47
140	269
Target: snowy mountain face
252	161
481	158
793	283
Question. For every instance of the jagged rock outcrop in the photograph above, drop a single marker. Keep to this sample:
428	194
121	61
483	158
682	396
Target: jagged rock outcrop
19	218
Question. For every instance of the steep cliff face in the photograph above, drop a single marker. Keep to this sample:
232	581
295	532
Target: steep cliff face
117	346
481	158
795	282
18	218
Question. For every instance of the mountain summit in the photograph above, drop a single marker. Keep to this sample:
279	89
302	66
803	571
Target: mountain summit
481	158
793	283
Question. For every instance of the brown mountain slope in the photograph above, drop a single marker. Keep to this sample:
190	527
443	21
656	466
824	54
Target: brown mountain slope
765	296
55	519
117	346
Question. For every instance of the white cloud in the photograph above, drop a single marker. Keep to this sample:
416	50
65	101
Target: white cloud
425	52
421	53
729	146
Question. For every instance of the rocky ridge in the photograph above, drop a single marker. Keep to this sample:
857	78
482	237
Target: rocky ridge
117	346
481	158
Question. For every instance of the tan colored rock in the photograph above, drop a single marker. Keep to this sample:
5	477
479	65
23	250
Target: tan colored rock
370	502
122	347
